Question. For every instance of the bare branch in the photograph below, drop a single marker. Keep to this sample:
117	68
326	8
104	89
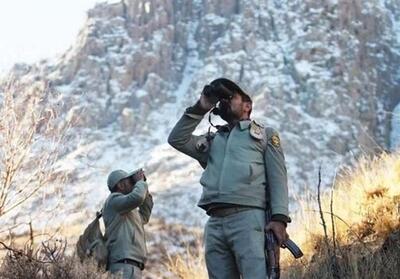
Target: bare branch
332	219
320	210
332	256
31	137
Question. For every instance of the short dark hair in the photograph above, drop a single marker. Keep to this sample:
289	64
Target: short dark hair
245	97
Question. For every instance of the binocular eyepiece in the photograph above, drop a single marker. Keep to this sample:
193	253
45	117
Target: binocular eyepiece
217	92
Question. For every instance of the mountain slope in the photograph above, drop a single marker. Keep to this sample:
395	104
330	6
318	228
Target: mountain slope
324	73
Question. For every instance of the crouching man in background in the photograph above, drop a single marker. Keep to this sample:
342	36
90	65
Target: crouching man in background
125	212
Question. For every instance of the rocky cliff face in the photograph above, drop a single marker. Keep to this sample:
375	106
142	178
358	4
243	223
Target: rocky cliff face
324	73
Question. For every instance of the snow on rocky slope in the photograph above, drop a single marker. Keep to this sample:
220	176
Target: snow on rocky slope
324	73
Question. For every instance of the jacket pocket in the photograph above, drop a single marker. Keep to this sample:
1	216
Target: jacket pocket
210	176
236	176
257	174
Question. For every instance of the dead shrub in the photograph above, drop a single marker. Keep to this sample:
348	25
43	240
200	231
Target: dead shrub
47	261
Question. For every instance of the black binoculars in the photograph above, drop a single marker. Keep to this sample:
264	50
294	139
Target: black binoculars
132	177
217	92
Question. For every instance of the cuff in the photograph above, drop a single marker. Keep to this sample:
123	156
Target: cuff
281	218
196	109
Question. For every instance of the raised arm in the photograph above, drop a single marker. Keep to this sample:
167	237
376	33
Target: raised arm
125	203
181	137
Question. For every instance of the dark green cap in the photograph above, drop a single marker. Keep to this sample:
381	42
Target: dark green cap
116	176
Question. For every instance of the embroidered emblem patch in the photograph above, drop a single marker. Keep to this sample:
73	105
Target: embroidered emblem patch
256	130
275	141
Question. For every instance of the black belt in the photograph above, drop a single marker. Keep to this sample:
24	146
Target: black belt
132	262
226	211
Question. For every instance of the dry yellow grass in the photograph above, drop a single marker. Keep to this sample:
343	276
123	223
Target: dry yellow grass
191	265
366	205
366	200
47	260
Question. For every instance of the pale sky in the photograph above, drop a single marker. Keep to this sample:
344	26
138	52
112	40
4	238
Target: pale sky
31	30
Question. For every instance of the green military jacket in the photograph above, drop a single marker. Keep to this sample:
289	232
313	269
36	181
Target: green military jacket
238	165
124	217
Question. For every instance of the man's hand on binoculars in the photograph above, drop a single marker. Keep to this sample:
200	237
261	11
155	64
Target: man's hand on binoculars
206	103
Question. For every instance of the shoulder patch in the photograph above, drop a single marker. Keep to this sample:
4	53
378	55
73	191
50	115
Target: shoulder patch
258	123
275	141
256	130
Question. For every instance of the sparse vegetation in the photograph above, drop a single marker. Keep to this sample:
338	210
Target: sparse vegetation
364	210
191	264
31	139
364	206
48	261
363	232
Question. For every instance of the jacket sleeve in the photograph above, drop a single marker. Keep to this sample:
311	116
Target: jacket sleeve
125	203
275	169
146	207
181	137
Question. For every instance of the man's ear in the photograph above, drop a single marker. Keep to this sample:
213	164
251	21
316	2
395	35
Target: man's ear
247	106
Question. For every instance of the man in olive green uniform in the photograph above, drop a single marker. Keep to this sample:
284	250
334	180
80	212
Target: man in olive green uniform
125	212
244	166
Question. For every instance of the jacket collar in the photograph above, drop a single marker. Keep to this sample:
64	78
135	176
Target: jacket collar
244	124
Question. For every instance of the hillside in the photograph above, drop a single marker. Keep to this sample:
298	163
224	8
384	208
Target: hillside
323	73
